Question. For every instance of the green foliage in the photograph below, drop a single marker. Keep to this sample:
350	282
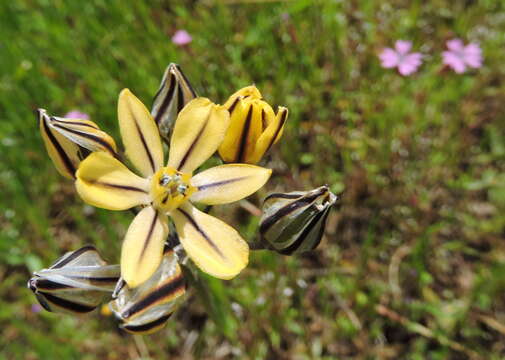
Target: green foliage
418	161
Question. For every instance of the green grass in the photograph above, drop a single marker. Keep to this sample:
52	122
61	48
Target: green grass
413	260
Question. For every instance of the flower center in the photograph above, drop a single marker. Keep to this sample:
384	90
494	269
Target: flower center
170	188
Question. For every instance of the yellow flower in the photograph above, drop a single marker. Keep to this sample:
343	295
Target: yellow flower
254	127
164	191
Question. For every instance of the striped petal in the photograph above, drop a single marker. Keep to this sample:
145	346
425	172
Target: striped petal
143	246
174	93
105	182
147	307
271	135
244	131
199	129
227	183
64	153
214	246
140	134
77	282
248	91
294	222
84	133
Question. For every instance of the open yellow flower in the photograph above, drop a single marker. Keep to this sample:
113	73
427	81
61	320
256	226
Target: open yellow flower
254	127
103	181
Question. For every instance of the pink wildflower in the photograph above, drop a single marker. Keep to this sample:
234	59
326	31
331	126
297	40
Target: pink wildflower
400	57
76	114
181	38
458	57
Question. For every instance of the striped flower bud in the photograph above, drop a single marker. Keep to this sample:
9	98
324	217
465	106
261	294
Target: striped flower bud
76	283
294	222
254	127
174	93
69	141
147	307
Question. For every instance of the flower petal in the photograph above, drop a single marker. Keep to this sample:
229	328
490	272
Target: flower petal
455	45
389	58
227	183
403	46
84	133
214	246
174	93
105	182
139	133
143	246
199	129
63	152
248	91
248	119
271	135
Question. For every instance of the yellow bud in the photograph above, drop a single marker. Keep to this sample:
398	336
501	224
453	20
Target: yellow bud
254	127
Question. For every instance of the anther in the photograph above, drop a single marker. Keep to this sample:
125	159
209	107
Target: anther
165	179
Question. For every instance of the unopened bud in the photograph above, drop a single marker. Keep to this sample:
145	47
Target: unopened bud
294	222
77	282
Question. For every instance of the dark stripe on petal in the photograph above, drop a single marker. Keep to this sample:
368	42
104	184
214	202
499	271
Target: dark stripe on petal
193	144
172	286
100	280
55	119
148	326
69	305
72	256
279	127
219	183
97	139
144	144
116	186
243	138
269	221
298	242
167	99
282	196
45	284
180	98
264	122
83	153
64	157
200	230
147	240
234	104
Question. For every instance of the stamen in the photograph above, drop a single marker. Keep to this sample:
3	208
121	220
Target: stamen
170	189
165	179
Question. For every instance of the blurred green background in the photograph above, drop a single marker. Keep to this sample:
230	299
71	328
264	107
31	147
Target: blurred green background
412	265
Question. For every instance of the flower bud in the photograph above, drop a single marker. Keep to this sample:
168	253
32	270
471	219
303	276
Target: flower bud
254	127
76	283
174	93
147	307
294	222
69	141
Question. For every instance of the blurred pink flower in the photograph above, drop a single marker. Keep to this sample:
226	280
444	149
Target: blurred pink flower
36	308
181	37
458	56
76	114
400	57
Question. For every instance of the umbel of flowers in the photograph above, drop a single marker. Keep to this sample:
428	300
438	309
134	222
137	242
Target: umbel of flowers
148	284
